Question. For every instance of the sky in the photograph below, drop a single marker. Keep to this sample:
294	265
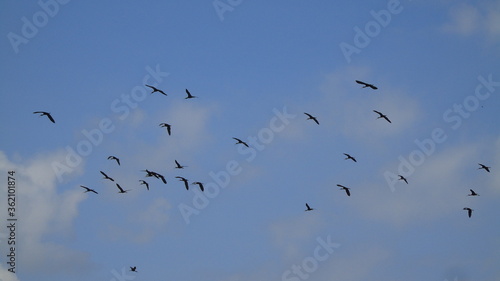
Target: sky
255	68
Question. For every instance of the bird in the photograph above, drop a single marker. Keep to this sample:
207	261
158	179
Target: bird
114	158
42	113
158	176
240	141
133	268
308	208
382	116
155	90
88	189
106	176
168	126
403	179
350	157
472	193
366	85
484	167
344	188
185	182
189	95
469	211
311	117
149	173
145	183
200	185
121	189
178	166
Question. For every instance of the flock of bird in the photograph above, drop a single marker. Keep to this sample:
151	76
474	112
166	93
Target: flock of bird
156	175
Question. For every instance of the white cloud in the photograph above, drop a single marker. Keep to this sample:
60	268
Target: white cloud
6	275
466	19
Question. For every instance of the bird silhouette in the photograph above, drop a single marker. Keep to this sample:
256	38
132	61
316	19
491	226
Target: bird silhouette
344	188
121	189
350	157
487	169
186	185
133	268
311	117
202	188
145	183
472	193
401	178
158	176
382	116
189	95
178	166
165	125
366	85
308	208
42	113
88	189
114	158
106	176
469	211
156	90
240	141
149	173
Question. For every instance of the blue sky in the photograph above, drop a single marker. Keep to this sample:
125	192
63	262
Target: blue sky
255	67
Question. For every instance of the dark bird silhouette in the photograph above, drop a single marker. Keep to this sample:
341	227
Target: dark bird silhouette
344	188
469	211
178	166
309	116
484	167
350	157
88	189
240	141
189	95
149	173
366	85
42	113
121	189
159	176
114	158
200	185
308	208
145	183
165	125
401	178
382	116
133	268
156	90
106	176
186	185
472	193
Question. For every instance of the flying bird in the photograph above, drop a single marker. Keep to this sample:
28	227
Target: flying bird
88	189
382	116
133	268
240	141
149	173
165	125
472	193
401	178
366	85
121	189
186	185
311	117
308	208
200	185
178	166
350	157
114	158
344	188
42	113
158	176
484	167
189	95
145	183
469	211
156	90
106	176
